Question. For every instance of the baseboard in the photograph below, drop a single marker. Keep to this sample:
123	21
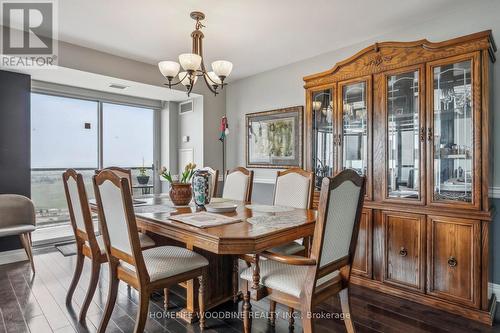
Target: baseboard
11	256
494	288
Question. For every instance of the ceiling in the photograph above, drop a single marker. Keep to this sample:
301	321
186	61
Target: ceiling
255	35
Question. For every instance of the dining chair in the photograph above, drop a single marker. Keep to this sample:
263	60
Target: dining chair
120	172
215	179
238	184
87	243
17	217
145	270
293	188
304	282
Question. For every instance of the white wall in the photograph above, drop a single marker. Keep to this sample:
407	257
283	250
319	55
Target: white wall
191	124
283	86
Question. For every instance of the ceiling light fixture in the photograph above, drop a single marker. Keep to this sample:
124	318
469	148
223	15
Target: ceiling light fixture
193	64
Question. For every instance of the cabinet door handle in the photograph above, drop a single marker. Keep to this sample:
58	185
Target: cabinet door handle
429	134
452	262
422	134
403	252
339	140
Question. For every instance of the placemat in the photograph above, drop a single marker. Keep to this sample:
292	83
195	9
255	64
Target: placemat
269	208
204	219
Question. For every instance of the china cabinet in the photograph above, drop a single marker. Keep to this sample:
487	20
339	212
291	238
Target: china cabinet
415	118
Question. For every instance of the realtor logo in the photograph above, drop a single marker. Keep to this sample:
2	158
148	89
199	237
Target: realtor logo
28	33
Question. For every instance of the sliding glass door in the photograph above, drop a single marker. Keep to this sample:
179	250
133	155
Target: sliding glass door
64	134
85	135
127	142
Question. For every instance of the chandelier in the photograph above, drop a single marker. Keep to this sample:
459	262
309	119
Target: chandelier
193	65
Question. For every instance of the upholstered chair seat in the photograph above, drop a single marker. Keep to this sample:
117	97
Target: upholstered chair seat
165	261
288	279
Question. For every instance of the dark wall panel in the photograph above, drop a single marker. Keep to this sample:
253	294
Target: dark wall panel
15	150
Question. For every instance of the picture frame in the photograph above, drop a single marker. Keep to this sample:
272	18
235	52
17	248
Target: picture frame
274	139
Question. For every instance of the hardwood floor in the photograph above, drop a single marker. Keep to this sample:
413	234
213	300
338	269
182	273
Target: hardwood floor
37	305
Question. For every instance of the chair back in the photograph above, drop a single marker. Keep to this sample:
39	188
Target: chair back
337	227
215	179
122	173
294	188
78	205
238	184
116	213
15	210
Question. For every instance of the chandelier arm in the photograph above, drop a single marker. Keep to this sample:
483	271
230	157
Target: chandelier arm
214	91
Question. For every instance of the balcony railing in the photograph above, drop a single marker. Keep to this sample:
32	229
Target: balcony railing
47	192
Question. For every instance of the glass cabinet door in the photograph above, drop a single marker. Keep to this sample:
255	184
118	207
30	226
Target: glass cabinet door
322	135
354	127
403	136
453	133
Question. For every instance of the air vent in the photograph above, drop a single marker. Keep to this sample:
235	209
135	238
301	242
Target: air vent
117	86
186	107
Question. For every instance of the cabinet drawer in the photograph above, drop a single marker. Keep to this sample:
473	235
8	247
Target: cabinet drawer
454	259
404	250
362	264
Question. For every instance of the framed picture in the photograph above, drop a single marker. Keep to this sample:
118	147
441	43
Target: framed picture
274	138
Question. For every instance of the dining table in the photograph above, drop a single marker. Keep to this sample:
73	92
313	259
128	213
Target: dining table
221	244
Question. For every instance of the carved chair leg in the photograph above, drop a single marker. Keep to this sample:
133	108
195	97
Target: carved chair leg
76	275
142	312
346	310
247	307
201	299
291	319
110	303
165	299
307	323
25	241
272	312
94	279
236	279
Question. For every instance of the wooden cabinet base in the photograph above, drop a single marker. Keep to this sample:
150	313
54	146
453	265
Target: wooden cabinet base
485	317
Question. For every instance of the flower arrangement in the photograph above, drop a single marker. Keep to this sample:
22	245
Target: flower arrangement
184	177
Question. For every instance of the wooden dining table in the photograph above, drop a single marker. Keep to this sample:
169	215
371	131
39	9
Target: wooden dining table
219	244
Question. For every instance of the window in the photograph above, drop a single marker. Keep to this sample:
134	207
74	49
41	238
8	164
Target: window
66	133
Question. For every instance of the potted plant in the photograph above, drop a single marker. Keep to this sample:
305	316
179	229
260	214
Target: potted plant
142	177
180	190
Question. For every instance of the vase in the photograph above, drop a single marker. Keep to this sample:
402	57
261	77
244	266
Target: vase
202	187
180	193
143	180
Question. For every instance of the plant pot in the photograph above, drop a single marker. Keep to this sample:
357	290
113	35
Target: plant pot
143	180
180	193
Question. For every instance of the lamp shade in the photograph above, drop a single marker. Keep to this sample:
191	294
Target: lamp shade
169	68
190	61
213	79
184	78
222	68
